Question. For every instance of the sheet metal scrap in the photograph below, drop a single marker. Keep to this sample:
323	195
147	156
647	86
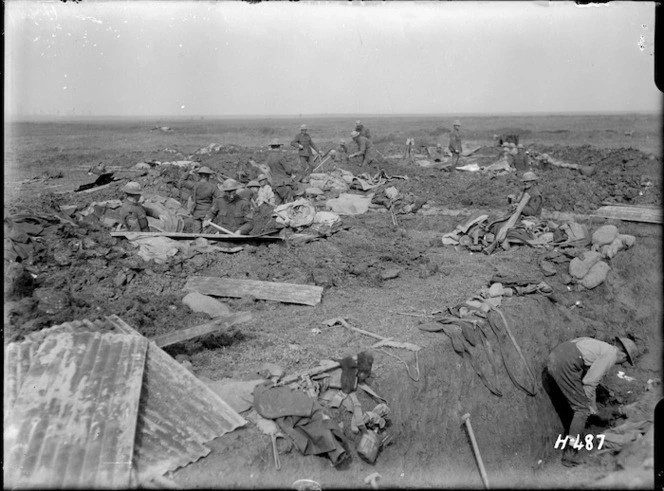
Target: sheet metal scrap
176	412
179	413
73	421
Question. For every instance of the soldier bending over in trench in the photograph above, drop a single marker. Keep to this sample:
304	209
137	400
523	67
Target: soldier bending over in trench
578	366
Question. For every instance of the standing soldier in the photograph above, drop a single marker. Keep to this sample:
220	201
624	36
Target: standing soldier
281	172
521	161
230	210
362	130
455	144
342	153
203	194
132	213
365	148
305	145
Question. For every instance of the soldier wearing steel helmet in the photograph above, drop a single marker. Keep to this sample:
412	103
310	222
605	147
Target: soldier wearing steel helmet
455	144
342	152
282	174
362	130
534	206
230	210
132	213
306	148
203	194
265	193
577	367
521	161
365	149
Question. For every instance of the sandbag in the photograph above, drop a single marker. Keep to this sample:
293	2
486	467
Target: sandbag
580	266
610	250
596	275
604	235
297	214
627	240
203	303
350	204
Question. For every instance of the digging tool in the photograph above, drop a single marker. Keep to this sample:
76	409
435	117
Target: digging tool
466	419
219	227
500	236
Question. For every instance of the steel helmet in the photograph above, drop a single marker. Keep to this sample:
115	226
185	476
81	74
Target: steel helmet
261	177
457	123
520	145
512	145
354	133
358	122
253	184
529	176
303	127
505	145
333	152
438	145
230	185
205	170
275	142
630	348
132	188
342	141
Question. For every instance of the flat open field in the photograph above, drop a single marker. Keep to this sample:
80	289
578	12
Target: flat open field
373	273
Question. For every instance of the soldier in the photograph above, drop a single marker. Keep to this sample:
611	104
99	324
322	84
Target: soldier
455	144
305	145
362	130
132	213
507	154
265	193
521	161
281	172
203	194
534	206
342	152
253	188
577	367
230	210
365	148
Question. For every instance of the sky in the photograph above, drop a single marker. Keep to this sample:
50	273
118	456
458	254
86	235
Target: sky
204	58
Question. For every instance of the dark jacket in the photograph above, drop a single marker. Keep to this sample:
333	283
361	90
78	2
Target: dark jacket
232	215
305	140
133	216
364	131
279	168
366	149
203	195
521	161
455	141
534	206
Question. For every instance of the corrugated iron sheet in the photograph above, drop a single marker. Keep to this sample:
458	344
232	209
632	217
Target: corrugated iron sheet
179	413
73	420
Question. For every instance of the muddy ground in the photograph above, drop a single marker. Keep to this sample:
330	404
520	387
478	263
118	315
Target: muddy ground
96	275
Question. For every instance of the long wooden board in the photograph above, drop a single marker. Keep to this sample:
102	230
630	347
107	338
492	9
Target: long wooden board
263	290
630	214
201	330
185	235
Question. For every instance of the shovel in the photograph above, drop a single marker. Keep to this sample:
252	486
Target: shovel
220	228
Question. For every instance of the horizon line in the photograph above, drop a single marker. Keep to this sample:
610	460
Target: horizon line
25	118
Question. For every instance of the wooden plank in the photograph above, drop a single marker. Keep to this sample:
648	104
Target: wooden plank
202	329
186	235
645	215
263	290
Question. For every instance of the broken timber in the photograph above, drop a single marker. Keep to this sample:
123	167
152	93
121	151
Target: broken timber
185	235
630	213
263	290
201	330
